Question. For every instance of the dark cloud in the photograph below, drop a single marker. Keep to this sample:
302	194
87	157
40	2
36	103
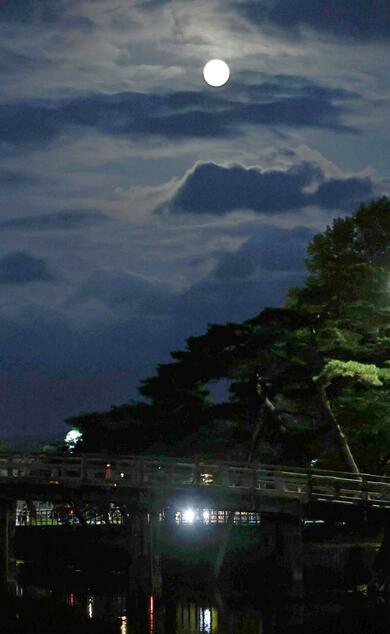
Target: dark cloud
358	19
231	299
22	268
344	193
282	85
242	283
66	219
116	289
271	249
214	189
24	122
151	4
29	10
11	178
258	274
77	23
178	114
13	62
44	12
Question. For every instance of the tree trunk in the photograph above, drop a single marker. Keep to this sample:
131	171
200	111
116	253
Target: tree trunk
265	408
256	433
330	419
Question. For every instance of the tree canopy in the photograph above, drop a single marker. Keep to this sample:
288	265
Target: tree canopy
308	381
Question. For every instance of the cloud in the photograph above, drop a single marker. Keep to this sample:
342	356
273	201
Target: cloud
66	219
151	4
343	193
232	300
357	19
43	12
216	189
118	289
23	268
287	101
12	178
28	10
282	85
257	275
271	249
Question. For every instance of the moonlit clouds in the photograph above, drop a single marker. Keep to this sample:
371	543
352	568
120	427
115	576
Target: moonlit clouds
105	119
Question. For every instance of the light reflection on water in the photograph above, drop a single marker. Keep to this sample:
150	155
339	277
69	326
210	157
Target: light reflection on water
207	619
192	618
151	615
185	618
129	612
123	624
91	601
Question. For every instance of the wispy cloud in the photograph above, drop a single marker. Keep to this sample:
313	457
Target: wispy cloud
63	220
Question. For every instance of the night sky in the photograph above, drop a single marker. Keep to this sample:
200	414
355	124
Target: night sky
138	204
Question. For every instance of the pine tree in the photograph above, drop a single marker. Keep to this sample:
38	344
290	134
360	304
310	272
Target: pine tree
309	380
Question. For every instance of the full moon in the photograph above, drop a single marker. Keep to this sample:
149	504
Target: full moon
216	72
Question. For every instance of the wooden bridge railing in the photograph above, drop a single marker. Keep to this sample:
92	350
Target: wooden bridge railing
133	472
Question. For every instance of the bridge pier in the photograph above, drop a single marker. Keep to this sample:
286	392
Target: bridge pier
380	581
142	538
289	553
7	537
155	555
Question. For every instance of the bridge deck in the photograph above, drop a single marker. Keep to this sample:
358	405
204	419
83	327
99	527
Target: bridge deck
116	474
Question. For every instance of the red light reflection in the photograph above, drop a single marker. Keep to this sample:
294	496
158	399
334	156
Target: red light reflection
151	615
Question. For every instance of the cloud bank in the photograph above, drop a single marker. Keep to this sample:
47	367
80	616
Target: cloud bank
287	101
216	189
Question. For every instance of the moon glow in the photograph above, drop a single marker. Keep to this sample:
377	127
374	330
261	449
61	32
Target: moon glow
216	72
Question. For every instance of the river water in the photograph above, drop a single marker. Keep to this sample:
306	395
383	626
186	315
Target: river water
82	586
106	605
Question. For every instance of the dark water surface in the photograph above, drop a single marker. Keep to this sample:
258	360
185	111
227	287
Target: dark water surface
74	603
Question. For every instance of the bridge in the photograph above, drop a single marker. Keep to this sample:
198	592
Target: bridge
120	476
156	490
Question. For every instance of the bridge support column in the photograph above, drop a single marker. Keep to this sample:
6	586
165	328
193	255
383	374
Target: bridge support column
289	554
380	581
7	536
143	548
155	555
